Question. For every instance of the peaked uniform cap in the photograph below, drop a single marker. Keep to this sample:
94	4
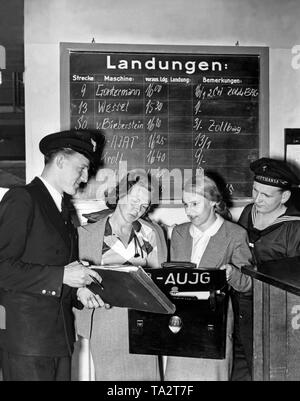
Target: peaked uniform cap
274	172
82	141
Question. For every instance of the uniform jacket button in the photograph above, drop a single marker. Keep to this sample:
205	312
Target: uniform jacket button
44	292
53	293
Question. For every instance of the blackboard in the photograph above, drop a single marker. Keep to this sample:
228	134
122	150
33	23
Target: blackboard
292	148
171	109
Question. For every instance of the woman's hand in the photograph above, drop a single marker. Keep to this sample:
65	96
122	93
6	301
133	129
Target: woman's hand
229	270
89	299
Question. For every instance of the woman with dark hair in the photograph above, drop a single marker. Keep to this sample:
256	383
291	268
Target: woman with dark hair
120	236
210	241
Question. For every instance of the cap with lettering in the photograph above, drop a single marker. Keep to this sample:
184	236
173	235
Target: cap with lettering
274	172
86	142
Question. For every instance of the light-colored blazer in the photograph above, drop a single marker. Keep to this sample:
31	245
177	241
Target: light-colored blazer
93	233
228	245
90	250
108	329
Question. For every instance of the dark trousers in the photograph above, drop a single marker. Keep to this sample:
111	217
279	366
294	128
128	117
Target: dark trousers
243	336
35	368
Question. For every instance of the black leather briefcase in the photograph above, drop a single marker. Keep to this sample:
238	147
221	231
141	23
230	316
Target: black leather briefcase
198	326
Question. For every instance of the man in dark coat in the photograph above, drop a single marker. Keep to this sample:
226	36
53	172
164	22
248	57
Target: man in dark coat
40	277
273	225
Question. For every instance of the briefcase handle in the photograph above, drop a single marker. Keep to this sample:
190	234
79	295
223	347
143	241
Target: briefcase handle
189	265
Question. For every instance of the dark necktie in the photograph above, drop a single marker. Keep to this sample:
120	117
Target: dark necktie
66	213
65	210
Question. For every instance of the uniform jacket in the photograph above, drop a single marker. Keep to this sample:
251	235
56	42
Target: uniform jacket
228	245
35	245
281	239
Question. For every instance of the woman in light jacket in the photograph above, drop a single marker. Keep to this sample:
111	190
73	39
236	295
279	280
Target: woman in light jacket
119	236
210	241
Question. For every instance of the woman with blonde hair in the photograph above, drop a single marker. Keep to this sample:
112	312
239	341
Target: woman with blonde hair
209	240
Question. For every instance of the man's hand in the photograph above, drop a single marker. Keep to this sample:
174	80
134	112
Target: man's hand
229	270
89	299
77	275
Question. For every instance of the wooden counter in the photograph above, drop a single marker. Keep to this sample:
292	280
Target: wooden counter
276	323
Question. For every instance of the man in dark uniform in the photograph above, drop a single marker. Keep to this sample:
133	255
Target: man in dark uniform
40	277
273	225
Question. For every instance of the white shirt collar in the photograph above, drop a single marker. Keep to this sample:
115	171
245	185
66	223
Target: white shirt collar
56	196
210	231
201	239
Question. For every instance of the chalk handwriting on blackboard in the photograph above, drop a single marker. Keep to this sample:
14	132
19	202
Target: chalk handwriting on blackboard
171	111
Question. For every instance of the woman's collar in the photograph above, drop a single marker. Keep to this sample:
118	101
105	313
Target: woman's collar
210	231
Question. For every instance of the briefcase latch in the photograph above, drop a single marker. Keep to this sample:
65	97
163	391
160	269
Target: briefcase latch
175	324
139	326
